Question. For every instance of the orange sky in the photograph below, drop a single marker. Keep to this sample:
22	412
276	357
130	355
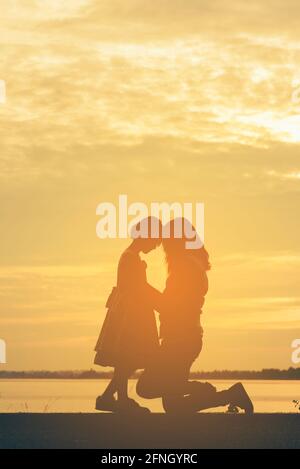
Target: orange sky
186	101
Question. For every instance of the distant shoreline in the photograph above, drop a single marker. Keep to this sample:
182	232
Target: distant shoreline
265	374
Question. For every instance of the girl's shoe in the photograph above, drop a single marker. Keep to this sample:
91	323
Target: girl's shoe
130	406
107	404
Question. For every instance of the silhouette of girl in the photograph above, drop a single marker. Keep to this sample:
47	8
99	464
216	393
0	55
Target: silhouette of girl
180	307
129	337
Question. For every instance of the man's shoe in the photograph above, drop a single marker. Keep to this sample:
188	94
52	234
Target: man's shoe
106	404
239	398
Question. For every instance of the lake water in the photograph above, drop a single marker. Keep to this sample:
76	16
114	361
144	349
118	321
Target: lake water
79	395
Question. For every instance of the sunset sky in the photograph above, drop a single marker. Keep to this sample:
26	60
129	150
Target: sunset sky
162	100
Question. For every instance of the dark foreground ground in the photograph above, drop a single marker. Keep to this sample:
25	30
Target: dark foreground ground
150	431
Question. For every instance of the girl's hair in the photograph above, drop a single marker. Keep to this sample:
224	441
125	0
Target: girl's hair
175	247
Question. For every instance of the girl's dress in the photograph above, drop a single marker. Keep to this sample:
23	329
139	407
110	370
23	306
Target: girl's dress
129	333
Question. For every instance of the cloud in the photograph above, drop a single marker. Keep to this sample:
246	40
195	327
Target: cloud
81	84
260	260
250	313
291	176
61	342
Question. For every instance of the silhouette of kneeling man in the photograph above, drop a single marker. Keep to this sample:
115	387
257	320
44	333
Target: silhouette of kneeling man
180	308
